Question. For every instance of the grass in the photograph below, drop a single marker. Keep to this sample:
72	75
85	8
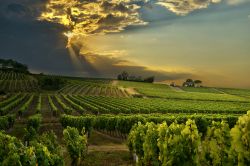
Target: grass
238	92
97	138
18	130
141	85
117	158
164	91
191	95
201	90
103	151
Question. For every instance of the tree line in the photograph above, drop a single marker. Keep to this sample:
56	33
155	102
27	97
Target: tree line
192	83
126	77
11	65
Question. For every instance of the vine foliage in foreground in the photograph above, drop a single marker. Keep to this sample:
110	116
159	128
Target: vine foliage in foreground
182	144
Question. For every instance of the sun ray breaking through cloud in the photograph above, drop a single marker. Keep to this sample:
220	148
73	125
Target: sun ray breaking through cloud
84	18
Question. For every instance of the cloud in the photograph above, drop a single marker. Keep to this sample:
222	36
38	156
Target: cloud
183	7
44	46
110	66
236	2
91	17
25	10
95	17
83	19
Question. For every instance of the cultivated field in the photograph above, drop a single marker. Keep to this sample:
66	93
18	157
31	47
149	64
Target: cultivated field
109	109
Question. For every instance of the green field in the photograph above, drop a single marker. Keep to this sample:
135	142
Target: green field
108	109
164	91
237	92
201	89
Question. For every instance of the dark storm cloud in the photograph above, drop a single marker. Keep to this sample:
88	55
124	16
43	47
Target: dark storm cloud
17	9
40	45
21	9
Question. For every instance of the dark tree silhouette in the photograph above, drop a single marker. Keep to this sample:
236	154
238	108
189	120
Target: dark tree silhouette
125	75
149	79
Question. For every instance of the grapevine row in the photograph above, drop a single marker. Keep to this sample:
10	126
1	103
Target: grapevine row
182	144
25	106
4	110
132	105
39	104
7	121
123	123
66	108
54	109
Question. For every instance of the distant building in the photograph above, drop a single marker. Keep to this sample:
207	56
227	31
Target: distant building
173	84
188	84
197	85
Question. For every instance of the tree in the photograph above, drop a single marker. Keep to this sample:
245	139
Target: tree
189	80
125	75
10	64
197	83
119	77
149	79
51	83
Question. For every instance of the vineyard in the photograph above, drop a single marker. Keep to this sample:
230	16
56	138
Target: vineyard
17	82
153	123
93	89
164	91
78	104
164	144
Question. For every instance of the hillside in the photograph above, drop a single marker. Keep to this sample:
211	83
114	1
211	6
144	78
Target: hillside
112	107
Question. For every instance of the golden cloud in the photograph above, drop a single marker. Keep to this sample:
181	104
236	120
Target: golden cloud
183	7
236	2
89	17
108	66
108	53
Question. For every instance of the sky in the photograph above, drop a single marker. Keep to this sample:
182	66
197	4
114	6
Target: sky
170	39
